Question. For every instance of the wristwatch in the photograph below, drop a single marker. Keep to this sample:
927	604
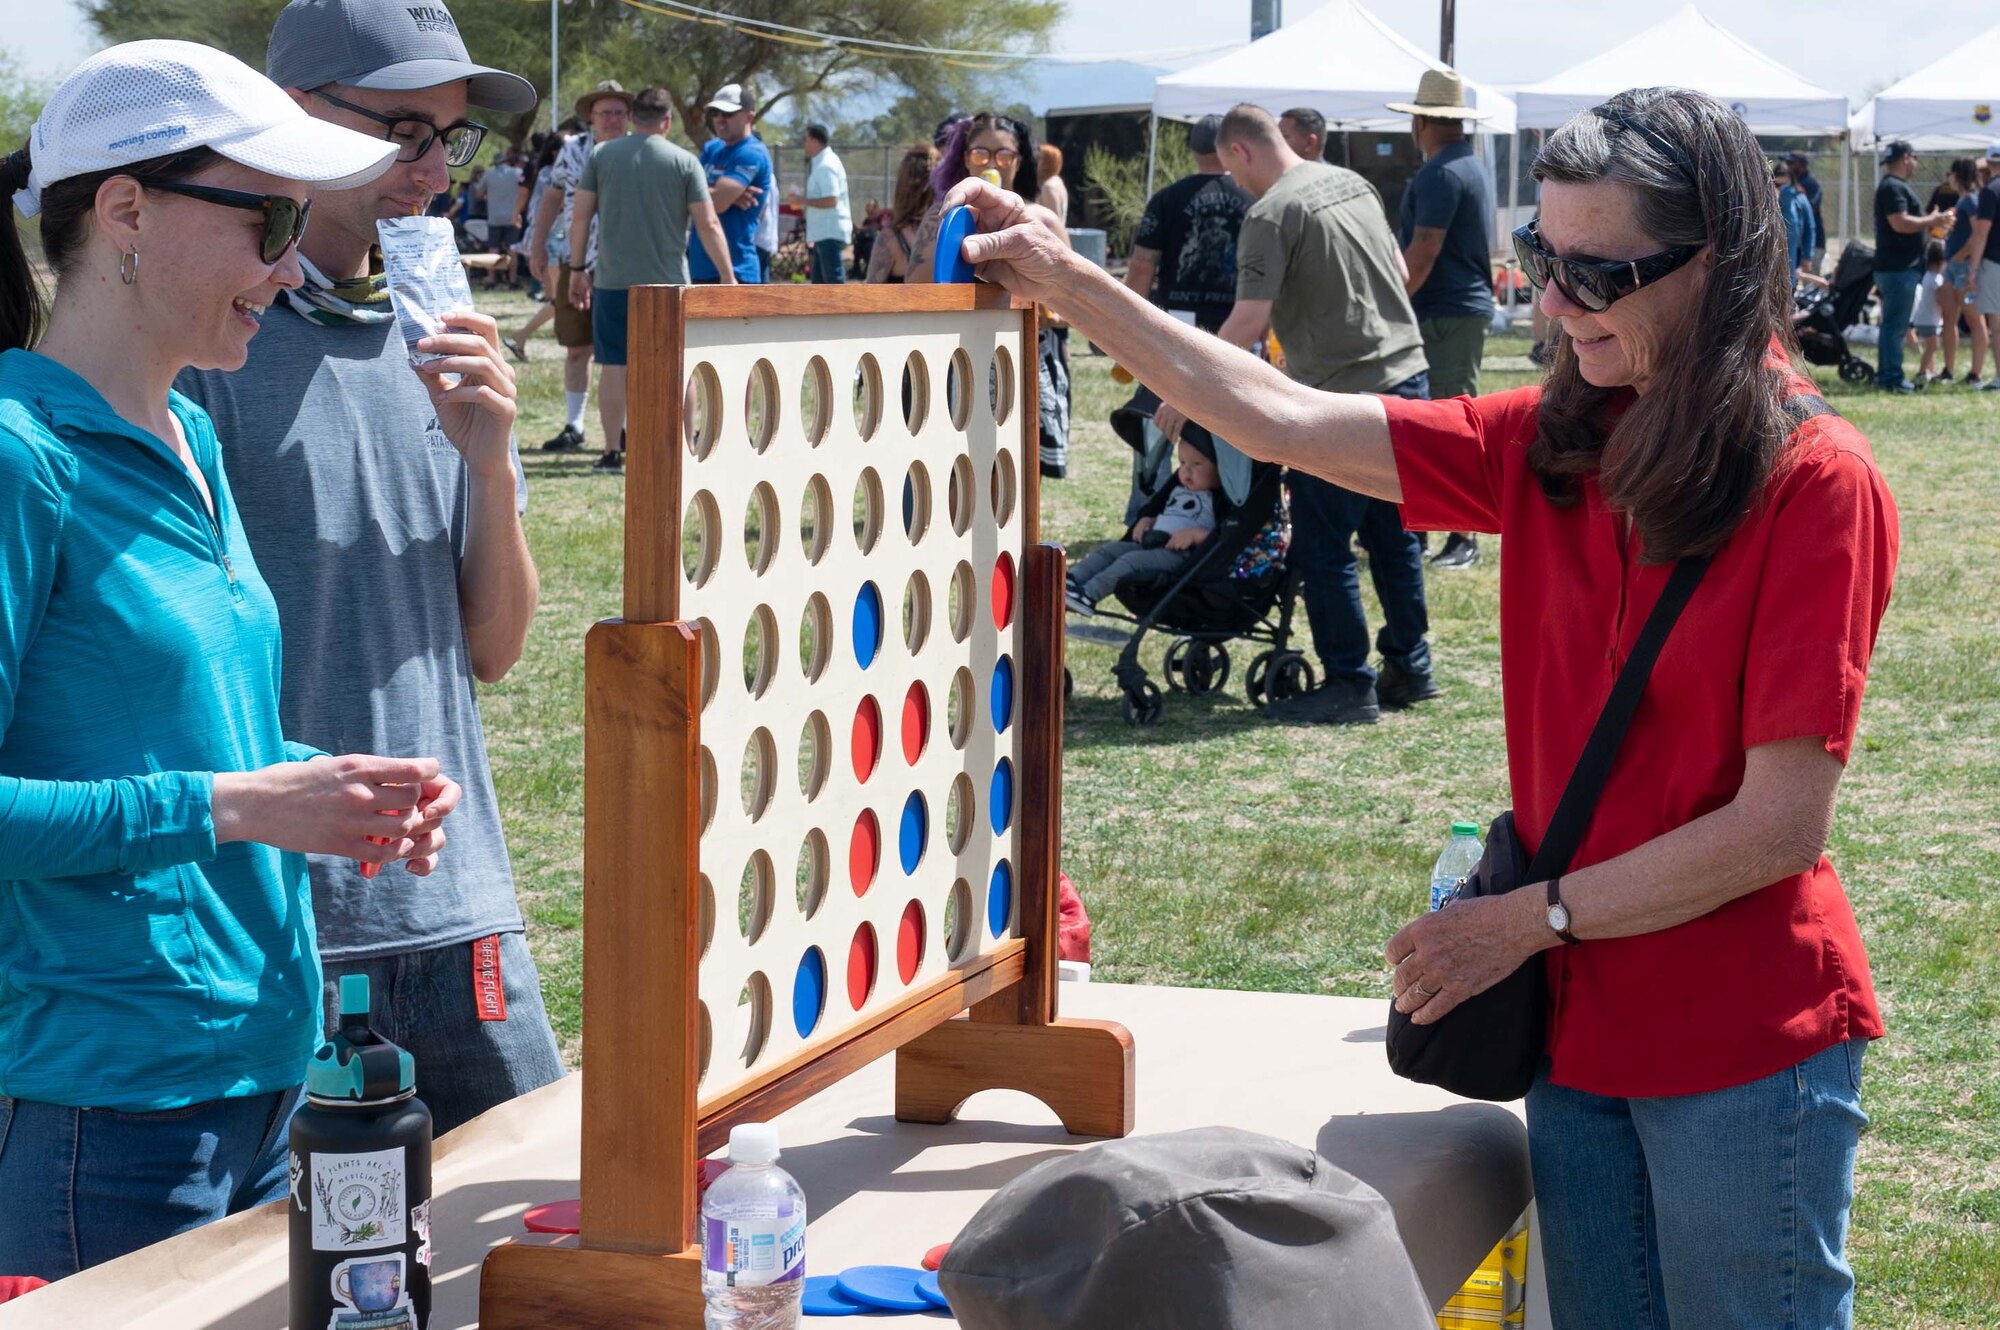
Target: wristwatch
1558	912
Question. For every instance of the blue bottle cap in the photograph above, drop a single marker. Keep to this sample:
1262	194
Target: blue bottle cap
948	261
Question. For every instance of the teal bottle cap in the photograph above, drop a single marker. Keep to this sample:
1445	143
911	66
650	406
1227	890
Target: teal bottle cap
357	1065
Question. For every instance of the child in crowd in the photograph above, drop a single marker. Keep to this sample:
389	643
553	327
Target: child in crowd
1177	519
1925	320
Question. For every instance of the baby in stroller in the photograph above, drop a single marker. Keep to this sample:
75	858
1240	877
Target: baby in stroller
1177	519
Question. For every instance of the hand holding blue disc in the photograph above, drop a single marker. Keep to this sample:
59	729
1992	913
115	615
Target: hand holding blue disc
948	261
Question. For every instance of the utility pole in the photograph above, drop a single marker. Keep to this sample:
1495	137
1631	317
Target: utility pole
1266	16
1447	32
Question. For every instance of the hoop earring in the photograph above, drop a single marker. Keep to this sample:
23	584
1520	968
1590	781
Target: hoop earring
128	267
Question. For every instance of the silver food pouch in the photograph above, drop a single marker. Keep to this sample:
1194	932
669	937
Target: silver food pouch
426	279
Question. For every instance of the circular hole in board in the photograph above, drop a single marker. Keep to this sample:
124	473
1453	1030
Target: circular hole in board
867	624
1003	590
760	763
913	832
958	388
916	612
916	722
760	651
809	992
756	897
701	527
815	637
816	519
1000	695
705	914
760	405
753	1014
816	401
957	920
960	709
916	502
864	852
709	781
867	397
910	942
701	410
1000	799
711	660
916	392
809	882
707	1044
866	738
1003	486
959	601
959	497
867	510
761	524
815	750
1000	385
1000	898
958	814
861	954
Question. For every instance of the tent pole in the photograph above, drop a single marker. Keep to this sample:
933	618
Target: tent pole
1152	149
1846	152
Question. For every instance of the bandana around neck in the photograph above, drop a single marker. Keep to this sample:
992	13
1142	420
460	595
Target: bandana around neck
329	303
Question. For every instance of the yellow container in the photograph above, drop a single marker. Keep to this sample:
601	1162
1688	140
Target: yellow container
1496	1294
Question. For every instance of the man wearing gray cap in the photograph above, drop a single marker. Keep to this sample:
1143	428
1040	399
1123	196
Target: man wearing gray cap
384	509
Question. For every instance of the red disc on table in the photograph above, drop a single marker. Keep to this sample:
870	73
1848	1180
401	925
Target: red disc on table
935	1256
1003	590
864	852
861	966
554	1217
916	722
910	941
867	738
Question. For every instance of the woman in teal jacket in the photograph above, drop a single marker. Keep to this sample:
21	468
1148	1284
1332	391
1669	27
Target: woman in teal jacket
159	983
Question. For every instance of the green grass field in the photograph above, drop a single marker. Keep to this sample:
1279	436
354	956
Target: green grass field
1216	850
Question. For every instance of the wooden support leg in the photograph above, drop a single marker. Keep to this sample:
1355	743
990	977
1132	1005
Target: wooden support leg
1081	1069
524	1286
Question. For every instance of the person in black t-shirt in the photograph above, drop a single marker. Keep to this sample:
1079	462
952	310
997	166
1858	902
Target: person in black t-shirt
1184	252
1899	257
1982	286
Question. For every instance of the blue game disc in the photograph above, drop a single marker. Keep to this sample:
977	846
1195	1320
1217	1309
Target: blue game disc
824	1298
927	1287
892	1287
948	260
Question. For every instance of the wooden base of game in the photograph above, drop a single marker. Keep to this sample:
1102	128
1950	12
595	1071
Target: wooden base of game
1083	1070
532	1288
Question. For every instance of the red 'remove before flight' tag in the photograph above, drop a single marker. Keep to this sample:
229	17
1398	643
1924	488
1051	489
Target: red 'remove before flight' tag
489	994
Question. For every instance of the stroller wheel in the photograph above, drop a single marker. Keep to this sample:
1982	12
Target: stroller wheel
1853	369
1291	674
1205	668
1256	680
1174	663
1143	705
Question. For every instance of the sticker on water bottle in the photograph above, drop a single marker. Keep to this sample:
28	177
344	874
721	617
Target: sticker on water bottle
358	1200
749	1252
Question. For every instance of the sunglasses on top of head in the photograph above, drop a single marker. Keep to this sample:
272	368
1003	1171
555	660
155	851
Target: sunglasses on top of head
284	218
1593	284
414	137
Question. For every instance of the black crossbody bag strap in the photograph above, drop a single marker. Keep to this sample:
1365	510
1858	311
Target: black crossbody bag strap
1586	783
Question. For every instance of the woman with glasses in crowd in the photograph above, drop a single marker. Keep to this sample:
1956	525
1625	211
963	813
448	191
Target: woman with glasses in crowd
159	981
1694	1123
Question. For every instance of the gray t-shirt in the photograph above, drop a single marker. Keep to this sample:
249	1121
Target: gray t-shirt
1186	510
644	187
356	506
503	193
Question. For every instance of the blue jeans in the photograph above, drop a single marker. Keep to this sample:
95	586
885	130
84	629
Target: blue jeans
1899	297
829	264
84	1185
1704	1210
1326	520
425	1001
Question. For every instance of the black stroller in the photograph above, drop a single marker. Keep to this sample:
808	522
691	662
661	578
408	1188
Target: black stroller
1824	316
1238	586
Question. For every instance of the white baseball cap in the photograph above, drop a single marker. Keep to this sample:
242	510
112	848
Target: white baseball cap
140	100
729	100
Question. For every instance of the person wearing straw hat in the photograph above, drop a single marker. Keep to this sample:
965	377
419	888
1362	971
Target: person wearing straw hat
162	989
1444	228
385	505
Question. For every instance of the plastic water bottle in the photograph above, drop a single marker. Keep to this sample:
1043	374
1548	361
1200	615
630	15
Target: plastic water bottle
753	1237
1460	857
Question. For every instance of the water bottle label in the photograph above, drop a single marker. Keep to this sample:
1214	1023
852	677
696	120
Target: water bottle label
357	1200
749	1252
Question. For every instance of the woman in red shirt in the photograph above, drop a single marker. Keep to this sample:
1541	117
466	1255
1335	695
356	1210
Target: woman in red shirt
1693	1130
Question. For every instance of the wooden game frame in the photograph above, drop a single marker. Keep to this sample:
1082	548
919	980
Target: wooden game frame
990	1023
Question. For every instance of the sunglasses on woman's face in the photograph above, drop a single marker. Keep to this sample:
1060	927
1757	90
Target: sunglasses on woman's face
980	158
1593	284
284	218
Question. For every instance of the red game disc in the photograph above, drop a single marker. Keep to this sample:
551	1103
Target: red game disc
867	743
1003	590
864	852
554	1217
935	1256
861	966
910	941
916	722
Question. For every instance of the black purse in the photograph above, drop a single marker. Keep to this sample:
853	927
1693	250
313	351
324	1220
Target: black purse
1490	1045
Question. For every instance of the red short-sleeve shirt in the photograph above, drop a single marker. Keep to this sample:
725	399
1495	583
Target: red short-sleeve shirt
1774	645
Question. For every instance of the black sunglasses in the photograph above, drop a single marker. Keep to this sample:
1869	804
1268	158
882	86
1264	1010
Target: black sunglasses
1593	283
414	137
284	218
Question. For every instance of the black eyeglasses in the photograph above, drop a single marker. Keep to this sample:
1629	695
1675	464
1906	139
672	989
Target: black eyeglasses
1593	283
414	137
284	218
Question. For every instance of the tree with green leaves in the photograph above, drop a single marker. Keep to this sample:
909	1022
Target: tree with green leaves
21	98
1118	184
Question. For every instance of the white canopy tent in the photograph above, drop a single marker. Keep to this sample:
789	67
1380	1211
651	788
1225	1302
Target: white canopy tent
1950	104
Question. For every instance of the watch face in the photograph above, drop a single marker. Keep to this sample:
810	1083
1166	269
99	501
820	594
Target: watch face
1558	917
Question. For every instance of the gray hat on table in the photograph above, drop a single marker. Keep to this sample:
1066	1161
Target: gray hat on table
1201	1229
387	45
